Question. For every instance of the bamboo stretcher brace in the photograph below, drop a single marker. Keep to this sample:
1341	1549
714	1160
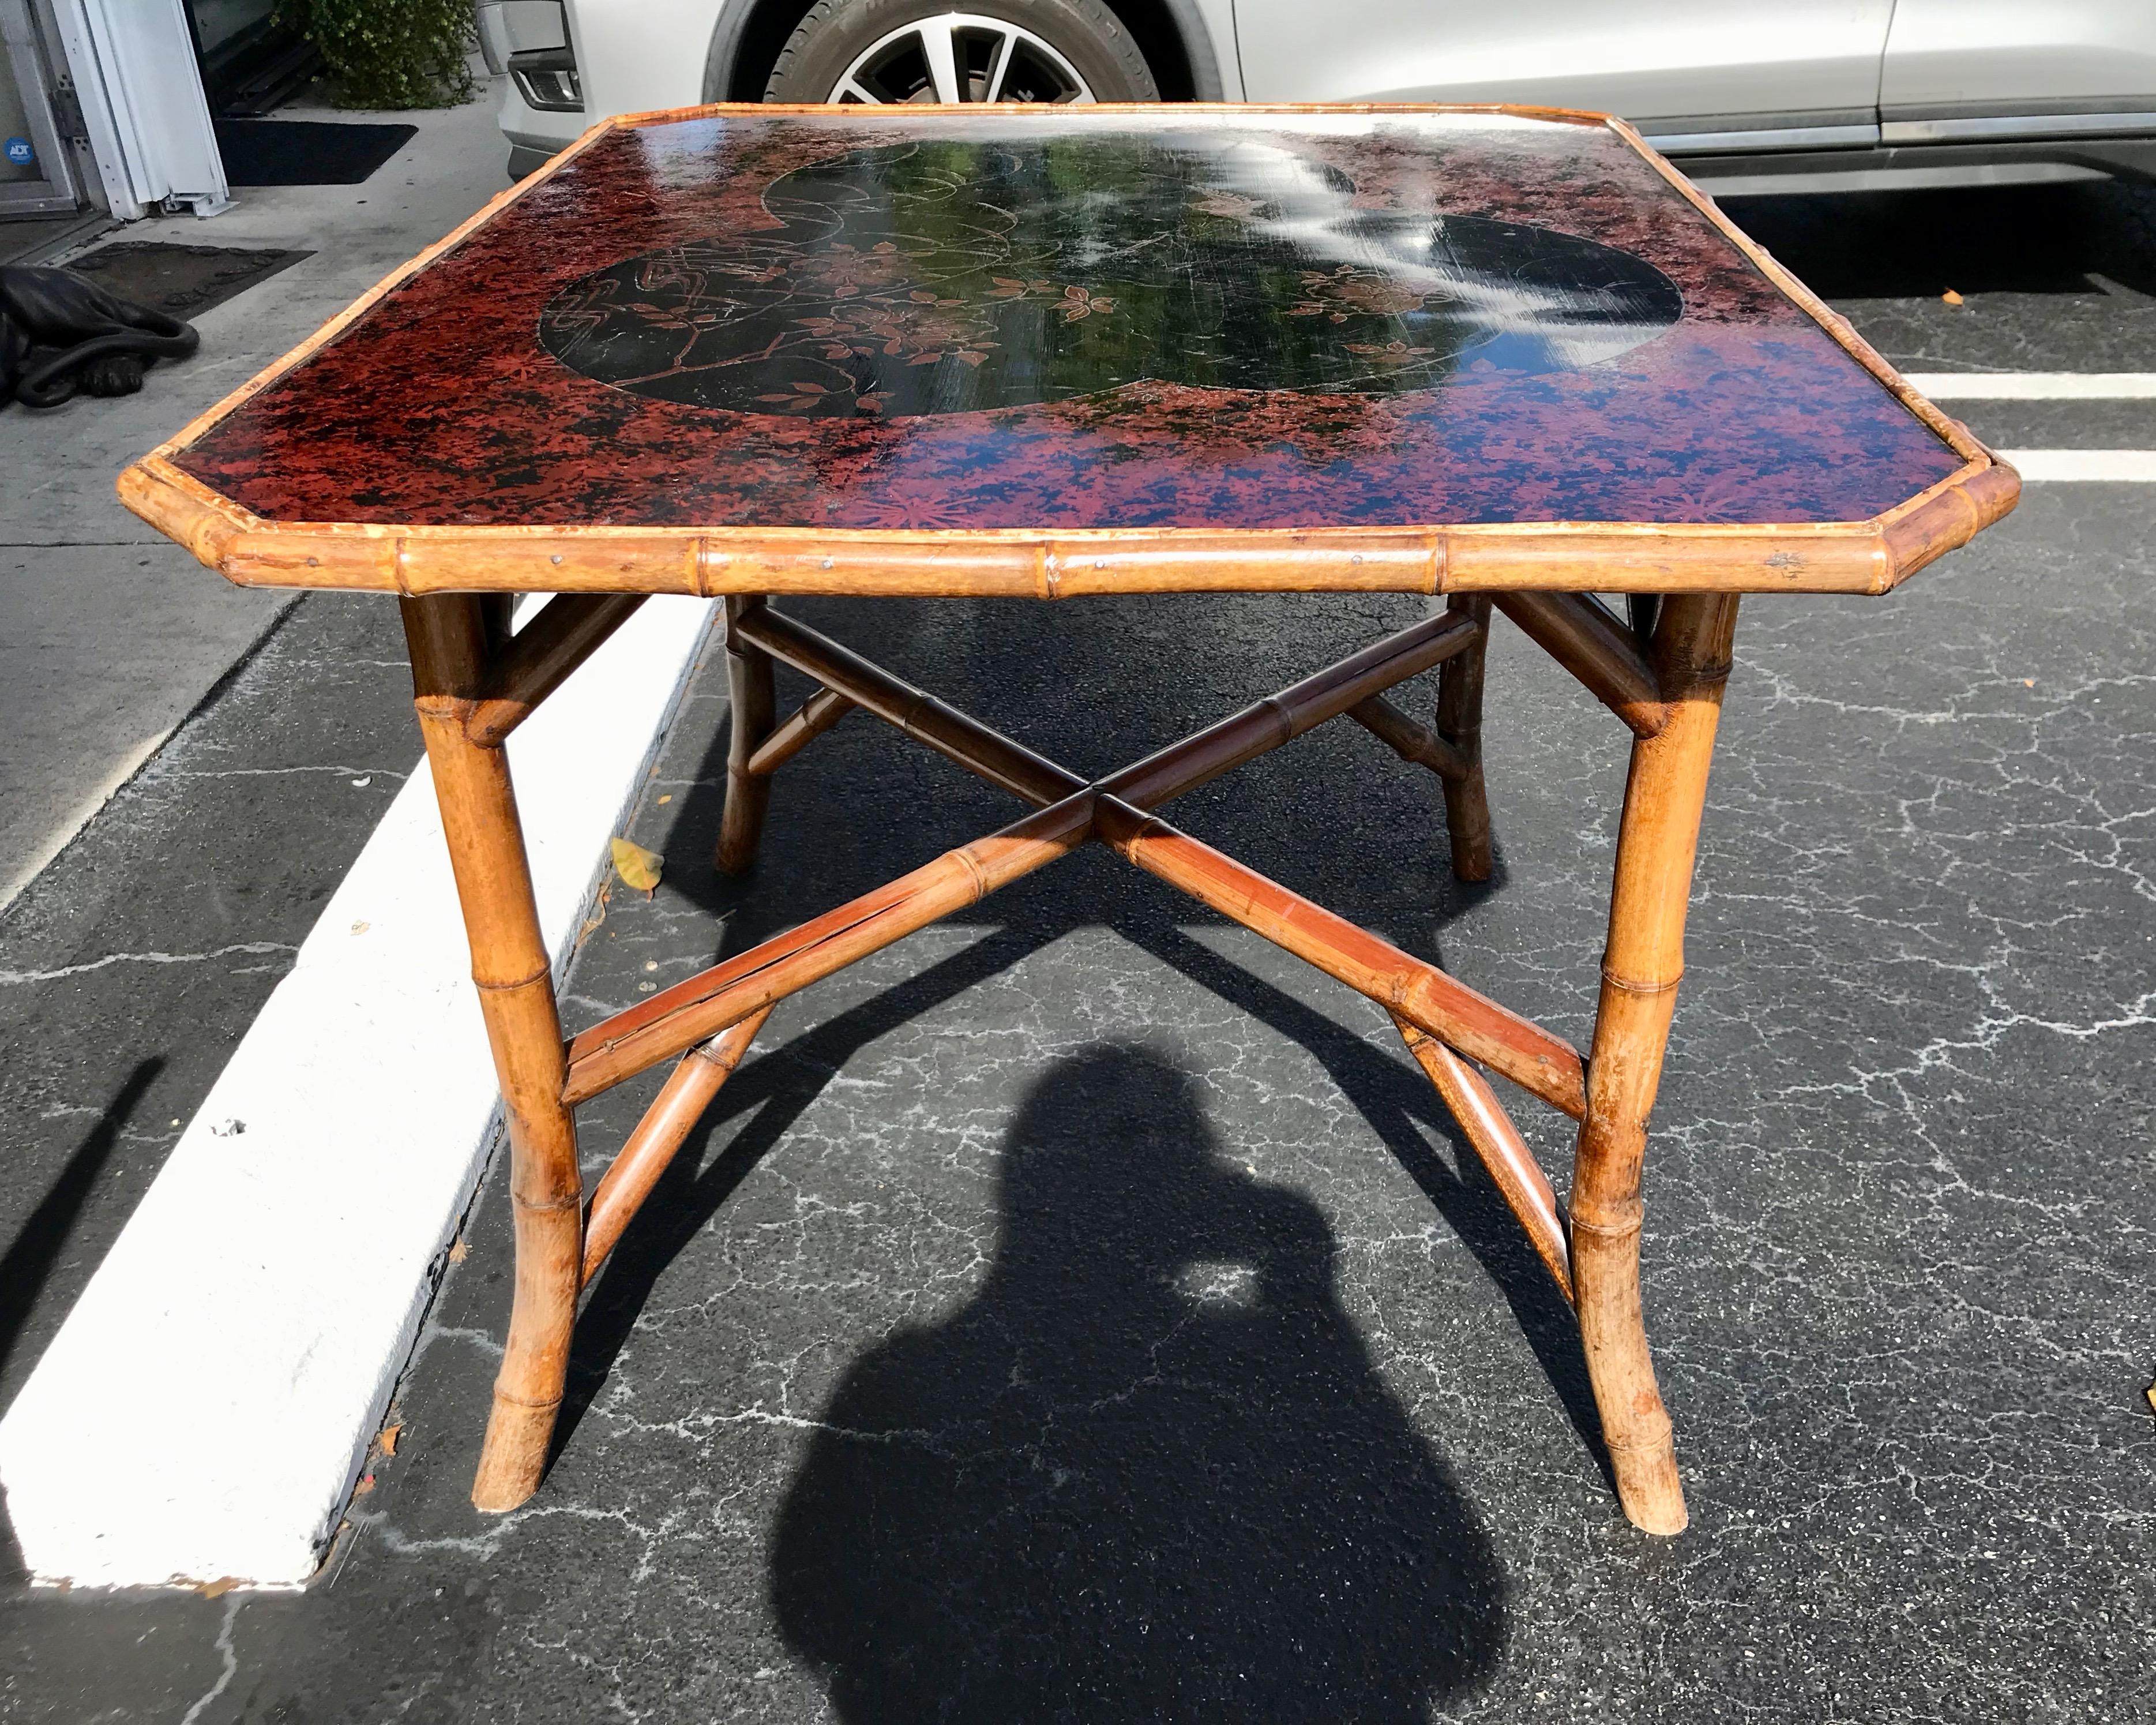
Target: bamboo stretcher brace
474	687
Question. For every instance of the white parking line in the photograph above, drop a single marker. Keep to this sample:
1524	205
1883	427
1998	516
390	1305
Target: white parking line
2131	467
2036	386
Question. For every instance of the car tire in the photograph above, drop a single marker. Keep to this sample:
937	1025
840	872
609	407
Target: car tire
836	34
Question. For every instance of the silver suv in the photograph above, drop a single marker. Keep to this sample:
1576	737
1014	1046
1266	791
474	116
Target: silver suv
1754	95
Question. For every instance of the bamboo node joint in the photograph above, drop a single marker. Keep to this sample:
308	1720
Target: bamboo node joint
522	1401
1639	985
1655	1440
543	971
1625	1220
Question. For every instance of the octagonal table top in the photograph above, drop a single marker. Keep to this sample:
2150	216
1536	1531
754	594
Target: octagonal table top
1058	351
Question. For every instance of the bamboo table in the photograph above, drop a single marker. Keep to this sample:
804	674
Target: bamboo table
1509	356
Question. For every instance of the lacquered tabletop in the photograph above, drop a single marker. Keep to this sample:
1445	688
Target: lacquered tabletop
1072	321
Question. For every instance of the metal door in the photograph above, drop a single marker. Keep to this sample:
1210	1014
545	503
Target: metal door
143	110
37	166
1713	65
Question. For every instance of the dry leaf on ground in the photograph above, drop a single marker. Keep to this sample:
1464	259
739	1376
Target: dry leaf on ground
1951	297
390	1433
459	1252
218	1588
599	913
637	867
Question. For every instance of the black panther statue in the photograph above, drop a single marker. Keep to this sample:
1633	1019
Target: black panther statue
59	334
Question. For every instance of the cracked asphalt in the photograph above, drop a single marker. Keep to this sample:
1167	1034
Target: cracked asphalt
1083	1311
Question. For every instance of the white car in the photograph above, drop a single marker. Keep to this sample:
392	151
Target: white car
1756	95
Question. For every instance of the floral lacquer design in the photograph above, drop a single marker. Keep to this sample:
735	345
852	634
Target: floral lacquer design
896	320
925	279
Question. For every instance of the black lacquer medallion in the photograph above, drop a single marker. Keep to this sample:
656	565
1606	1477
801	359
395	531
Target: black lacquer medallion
963	276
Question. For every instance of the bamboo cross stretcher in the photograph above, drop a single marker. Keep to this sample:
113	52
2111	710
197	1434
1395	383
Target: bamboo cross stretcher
1506	358
473	690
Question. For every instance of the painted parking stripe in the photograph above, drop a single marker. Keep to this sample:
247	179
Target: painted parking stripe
2131	467
2036	386
205	1407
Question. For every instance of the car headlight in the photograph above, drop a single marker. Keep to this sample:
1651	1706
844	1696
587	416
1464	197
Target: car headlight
546	79
529	40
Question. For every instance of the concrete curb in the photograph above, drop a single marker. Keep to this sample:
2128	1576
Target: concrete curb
205	1407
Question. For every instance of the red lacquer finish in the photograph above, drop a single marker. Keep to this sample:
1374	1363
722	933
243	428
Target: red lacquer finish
440	406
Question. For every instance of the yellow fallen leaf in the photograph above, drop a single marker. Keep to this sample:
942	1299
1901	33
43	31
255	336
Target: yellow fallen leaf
665	800
2152	1395
1951	297
218	1588
390	1433
637	867
459	1252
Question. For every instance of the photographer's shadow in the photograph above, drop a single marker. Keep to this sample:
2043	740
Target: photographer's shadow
1148	1472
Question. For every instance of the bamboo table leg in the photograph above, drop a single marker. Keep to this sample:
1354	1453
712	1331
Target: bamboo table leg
1657	840
448	634
1460	723
749	682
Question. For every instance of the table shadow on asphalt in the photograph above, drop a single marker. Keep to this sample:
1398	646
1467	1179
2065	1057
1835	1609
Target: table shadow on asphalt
28	1264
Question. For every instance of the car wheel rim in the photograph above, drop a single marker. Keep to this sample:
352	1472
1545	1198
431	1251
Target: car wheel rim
960	57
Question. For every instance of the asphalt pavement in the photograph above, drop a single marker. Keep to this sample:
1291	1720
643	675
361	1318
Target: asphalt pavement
1083	1311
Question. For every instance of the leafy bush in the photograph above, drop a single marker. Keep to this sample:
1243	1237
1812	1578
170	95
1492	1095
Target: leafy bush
390	53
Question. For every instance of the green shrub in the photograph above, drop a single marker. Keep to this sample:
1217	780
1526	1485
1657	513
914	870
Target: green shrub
390	53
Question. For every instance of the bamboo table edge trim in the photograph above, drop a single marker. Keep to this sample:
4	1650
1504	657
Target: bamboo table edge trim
1868	558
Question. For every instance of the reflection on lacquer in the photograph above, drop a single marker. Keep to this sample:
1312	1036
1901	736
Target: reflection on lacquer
963	276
